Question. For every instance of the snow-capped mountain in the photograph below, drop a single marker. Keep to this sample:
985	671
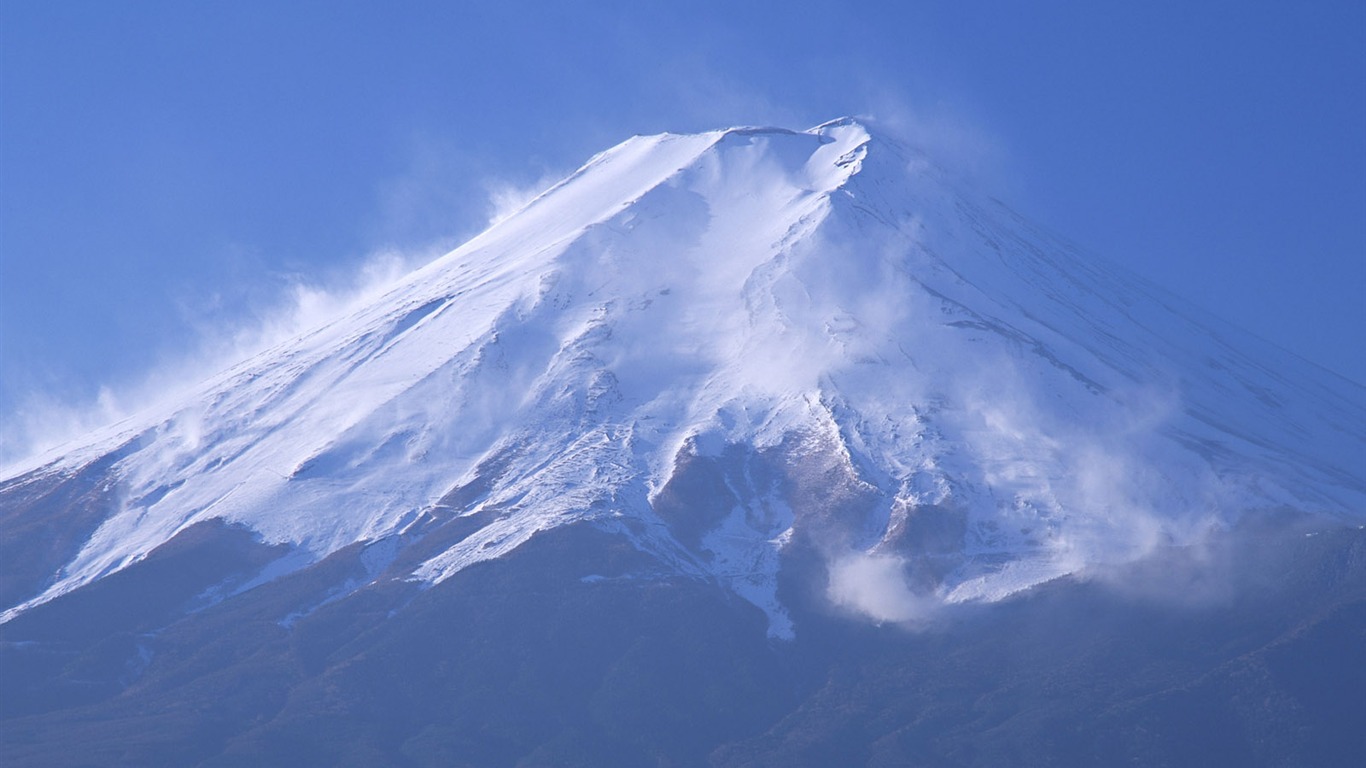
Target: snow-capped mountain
725	348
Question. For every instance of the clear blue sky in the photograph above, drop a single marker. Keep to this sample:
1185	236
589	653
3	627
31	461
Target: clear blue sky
169	169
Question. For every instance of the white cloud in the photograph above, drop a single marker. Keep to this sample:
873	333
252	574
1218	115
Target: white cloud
874	586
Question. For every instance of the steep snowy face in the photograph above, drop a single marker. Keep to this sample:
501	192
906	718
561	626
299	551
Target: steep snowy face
730	346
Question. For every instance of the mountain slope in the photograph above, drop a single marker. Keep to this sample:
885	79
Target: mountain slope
624	479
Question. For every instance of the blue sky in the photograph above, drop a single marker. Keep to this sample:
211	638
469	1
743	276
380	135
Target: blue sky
171	173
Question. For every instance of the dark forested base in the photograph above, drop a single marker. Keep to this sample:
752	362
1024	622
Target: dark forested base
1245	653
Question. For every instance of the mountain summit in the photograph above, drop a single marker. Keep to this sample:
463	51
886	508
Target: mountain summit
636	475
721	346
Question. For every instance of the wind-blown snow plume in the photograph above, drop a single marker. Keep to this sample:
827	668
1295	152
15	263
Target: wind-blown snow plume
44	422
